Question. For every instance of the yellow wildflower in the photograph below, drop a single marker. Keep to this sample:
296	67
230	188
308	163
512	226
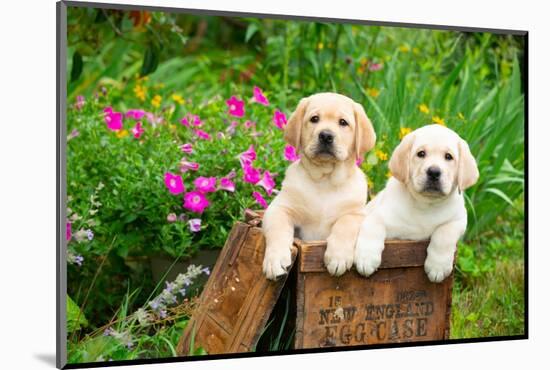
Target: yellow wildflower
178	98
381	155
404	48
320	46
388	174
172	127
122	133
404	131
363	61
373	91
438	120
155	102
416	51
461	116
424	108
140	92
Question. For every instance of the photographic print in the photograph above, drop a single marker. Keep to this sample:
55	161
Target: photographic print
243	185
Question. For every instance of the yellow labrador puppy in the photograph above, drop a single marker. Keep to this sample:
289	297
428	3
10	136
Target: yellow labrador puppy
324	192
431	167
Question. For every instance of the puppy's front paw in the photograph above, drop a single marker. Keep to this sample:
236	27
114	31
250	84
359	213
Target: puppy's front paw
338	261
438	269
367	260
276	263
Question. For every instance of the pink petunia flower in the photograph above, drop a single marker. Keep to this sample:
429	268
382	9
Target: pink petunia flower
187	148
247	157
185	122
137	130
251	174
232	174
113	119
236	106
174	183
205	184
373	67
186	165
172	217
279	118
249	124
136	114
69	231
195	225
358	162
195	201
227	184
267	182
290	153
202	134
259	96
259	199
79	102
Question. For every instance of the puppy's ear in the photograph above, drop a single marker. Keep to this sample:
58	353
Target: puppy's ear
467	167
365	137
293	127
399	161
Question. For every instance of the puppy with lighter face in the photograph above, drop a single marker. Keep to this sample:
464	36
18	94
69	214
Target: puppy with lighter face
323	193
431	168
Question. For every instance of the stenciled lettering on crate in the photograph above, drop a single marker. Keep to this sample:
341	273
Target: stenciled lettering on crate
396	304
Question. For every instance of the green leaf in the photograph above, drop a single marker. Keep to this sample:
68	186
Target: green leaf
75	317
76	69
250	31
150	60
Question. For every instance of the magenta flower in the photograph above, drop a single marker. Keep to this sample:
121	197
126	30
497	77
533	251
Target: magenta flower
259	199
113	119
184	121
227	184
195	201
290	153
171	217
236	106
202	134
249	124
187	148
195	225
205	184
259	96
247	157
358	162
136	114
279	118
251	174
267	182
79	102
137	130
186	165
69	231
174	183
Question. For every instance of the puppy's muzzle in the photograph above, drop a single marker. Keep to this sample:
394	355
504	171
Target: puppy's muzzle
433	176
326	138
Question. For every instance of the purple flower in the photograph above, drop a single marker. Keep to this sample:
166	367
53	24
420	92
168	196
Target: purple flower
171	217
236	106
291	154
136	114
267	182
279	118
195	225
259	96
227	184
205	184
206	270
259	199
187	148
90	234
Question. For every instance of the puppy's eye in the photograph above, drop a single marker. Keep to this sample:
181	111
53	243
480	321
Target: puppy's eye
421	154
448	157
314	119
343	122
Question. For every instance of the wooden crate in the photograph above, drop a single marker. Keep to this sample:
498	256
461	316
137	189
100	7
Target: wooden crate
396	304
237	300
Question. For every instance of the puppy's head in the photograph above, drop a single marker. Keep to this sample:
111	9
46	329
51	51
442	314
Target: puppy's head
329	127
433	161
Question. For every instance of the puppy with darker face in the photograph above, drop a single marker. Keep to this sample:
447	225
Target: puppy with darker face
324	192
431	168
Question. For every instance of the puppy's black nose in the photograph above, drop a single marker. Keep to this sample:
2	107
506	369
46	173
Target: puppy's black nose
434	173
326	137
